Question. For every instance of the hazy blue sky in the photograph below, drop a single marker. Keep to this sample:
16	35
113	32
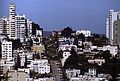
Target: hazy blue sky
57	14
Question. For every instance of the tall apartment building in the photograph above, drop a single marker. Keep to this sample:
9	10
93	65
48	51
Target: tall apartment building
29	28
116	33
12	15
17	26
113	16
20	26
7	50
4	25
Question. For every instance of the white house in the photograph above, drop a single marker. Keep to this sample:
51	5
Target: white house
89	76
86	33
7	65
92	72
72	73
98	61
113	49
66	54
64	41
67	47
27	70
41	66
39	32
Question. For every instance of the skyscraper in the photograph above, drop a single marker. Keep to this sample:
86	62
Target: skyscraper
12	15
116	33
20	26
29	28
4	26
113	16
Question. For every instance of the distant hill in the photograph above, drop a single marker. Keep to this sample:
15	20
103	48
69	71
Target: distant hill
47	33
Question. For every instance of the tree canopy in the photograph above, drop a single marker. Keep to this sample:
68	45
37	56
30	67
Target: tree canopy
66	32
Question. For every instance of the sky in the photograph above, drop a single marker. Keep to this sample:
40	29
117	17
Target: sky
58	14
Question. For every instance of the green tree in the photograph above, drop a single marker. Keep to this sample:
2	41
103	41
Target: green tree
60	54
71	62
67	32
25	64
112	67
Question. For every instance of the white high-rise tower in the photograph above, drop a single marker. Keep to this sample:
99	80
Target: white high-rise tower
20	26
110	24
12	15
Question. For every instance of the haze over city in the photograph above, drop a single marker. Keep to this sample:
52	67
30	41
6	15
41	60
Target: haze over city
57	14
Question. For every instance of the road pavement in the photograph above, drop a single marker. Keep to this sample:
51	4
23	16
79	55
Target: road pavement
55	71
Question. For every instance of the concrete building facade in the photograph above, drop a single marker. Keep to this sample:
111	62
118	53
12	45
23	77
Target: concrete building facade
12	14
20	25
116	33
86	33
41	66
4	25
7	50
112	17
29	28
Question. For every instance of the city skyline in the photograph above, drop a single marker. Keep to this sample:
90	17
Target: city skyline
74	47
55	15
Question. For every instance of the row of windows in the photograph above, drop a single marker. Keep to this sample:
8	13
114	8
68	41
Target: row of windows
7	45
6	51
6	56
